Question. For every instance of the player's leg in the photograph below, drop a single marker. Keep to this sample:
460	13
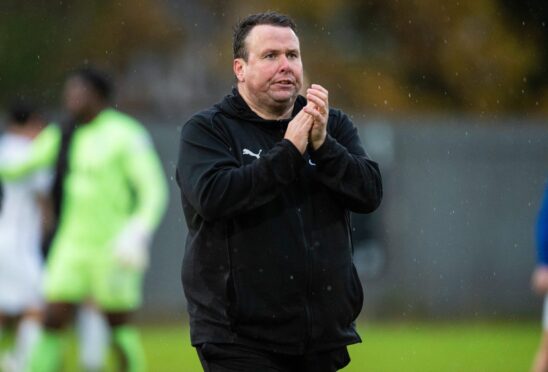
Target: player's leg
47	354
93	336
12	302
29	327
127	342
66	285
118	293
540	363
7	361
2	322
27	335
541	358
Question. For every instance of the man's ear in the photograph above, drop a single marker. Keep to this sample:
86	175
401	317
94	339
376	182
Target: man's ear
239	67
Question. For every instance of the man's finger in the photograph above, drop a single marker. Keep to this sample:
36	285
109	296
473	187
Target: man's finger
317	93
317	102
319	87
317	115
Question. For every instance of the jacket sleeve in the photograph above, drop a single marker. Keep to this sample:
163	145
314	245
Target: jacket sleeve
145	174
344	167
42	154
542	231
217	185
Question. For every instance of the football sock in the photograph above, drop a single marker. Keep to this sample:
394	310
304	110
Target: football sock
129	342
28	333
46	355
93	335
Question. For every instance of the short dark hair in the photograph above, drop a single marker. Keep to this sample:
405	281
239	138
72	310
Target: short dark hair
243	28
21	110
97	79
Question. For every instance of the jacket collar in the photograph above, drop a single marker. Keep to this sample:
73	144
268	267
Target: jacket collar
234	105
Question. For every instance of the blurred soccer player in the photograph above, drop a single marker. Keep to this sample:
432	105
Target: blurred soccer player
540	282
110	194
20	232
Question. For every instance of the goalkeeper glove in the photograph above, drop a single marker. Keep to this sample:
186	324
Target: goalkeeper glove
131	245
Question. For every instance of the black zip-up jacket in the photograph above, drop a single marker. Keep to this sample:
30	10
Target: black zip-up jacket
268	260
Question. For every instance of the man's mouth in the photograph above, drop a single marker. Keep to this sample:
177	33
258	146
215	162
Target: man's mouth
285	82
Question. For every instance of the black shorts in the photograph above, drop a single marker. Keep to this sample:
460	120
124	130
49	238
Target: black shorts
238	358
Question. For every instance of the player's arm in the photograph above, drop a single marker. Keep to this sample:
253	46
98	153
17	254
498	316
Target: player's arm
1	194
542	231
218	186
43	153
540	276
146	176
144	172
41	182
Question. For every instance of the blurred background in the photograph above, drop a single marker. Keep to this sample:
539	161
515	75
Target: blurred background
451	98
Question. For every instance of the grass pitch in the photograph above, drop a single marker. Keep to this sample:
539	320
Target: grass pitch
420	346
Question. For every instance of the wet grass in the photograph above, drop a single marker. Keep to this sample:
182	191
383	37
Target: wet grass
413	346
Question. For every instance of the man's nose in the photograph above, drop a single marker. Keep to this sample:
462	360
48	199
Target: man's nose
284	63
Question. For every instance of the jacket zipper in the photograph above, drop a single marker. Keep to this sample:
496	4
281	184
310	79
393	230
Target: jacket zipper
307	281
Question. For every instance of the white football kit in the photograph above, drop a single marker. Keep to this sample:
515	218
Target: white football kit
20	232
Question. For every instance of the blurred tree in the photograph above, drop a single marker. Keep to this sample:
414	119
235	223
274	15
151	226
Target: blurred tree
530	20
41	40
389	56
419	55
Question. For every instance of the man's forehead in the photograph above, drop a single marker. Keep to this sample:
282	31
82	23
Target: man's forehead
272	37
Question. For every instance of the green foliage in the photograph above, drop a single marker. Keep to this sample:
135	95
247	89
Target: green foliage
40	41
422	55
388	56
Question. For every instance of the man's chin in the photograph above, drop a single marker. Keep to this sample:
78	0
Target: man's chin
284	97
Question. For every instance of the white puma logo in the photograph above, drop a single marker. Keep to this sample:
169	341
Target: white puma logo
250	153
311	163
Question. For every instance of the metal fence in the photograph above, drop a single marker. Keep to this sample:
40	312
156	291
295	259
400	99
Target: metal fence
454	236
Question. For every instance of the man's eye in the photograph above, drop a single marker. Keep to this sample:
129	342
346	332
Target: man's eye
269	56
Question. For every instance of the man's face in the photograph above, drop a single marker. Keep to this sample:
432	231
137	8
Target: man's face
273	73
77	96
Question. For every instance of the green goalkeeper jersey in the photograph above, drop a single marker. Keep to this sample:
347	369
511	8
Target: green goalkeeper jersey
114	175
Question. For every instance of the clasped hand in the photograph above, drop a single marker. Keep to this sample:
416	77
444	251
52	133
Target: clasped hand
310	124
